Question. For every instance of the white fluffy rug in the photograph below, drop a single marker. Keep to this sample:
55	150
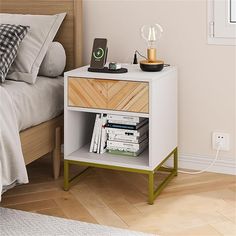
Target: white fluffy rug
20	223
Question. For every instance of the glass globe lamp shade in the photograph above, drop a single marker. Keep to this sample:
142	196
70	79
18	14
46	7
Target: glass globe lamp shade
151	34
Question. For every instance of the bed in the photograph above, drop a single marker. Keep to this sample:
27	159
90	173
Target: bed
46	137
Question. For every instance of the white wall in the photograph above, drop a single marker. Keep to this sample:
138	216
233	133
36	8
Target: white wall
207	75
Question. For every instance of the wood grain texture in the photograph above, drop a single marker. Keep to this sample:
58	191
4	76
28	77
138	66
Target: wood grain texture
40	140
190	205
128	96
56	153
108	94
70	32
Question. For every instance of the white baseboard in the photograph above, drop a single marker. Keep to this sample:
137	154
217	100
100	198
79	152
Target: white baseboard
197	162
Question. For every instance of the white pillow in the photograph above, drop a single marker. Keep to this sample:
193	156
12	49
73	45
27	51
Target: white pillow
54	61
34	46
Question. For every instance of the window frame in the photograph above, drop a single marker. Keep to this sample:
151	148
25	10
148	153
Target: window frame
234	21
220	30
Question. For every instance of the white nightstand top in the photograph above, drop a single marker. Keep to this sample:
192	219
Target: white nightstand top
134	73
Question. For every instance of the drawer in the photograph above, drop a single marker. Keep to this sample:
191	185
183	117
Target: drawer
108	94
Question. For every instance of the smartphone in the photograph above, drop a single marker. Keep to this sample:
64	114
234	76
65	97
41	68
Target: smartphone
99	53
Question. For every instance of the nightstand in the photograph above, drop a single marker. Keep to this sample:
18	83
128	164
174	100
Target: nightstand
144	94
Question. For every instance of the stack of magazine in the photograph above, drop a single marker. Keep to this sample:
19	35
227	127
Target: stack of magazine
126	135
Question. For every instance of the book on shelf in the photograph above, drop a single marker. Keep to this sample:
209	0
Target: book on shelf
98	141
97	133
126	152
92	144
103	142
137	133
127	126
122	122
127	138
127	146
122	135
125	118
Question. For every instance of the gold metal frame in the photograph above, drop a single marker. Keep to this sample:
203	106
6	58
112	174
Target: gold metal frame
153	191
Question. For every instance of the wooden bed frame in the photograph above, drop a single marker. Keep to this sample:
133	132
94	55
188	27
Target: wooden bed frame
47	137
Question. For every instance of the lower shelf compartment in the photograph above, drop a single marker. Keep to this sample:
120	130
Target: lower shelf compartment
83	155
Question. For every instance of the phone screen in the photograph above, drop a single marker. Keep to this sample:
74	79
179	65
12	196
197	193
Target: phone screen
99	53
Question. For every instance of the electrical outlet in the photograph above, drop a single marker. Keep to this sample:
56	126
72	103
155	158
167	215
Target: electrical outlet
222	138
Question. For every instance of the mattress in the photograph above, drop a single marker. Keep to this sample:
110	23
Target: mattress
36	103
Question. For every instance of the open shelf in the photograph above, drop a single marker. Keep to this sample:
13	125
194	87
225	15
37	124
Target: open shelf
83	155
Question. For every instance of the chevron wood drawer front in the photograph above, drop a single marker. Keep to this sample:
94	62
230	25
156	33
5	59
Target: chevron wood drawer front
108	94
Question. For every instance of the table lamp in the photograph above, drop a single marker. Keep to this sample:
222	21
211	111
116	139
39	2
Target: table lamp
151	34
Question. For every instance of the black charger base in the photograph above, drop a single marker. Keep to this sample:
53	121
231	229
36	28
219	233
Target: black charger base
107	70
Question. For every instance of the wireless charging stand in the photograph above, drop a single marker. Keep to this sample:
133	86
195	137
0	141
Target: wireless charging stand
107	70
99	57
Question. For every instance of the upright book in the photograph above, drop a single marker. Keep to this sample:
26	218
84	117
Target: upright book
99	136
94	133
103	134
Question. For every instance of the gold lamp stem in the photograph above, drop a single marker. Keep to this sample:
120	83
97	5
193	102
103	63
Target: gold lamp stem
151	53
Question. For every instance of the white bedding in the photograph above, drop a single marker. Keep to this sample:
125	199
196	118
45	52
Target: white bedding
21	106
12	165
36	103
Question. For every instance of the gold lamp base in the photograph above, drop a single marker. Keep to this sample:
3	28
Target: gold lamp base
151	66
151	54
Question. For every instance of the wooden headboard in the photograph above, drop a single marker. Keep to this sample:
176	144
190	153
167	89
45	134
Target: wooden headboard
70	32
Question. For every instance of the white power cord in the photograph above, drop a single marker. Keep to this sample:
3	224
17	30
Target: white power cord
207	168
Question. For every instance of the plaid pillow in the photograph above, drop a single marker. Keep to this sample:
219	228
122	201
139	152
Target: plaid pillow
10	38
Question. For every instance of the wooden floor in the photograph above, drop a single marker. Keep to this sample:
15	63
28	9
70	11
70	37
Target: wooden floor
191	205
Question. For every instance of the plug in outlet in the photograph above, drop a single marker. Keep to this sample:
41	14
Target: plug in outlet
222	138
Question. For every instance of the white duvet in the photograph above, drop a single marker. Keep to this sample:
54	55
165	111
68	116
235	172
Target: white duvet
12	165
22	106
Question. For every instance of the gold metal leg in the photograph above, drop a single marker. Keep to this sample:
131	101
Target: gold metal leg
70	181
151	187
152	191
